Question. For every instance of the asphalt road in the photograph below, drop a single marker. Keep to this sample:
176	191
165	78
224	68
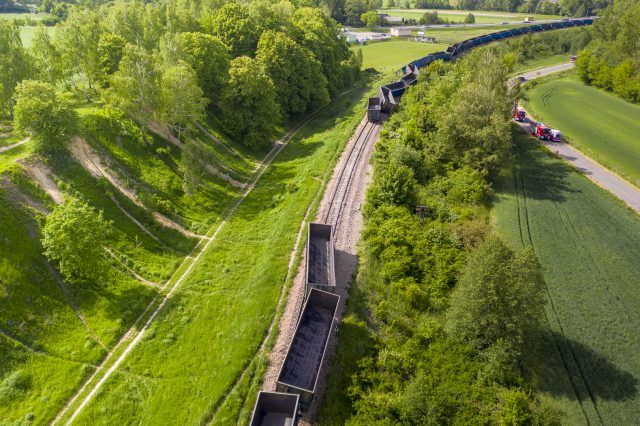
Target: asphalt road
608	180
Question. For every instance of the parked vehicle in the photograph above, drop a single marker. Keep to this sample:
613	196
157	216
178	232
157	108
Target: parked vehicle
556	135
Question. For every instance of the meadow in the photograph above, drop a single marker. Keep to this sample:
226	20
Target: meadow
584	359
389	56
457	16
54	334
598	123
537	63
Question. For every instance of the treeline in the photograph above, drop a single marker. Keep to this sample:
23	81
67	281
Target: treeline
541	45
445	307
254	65
612	60
576	8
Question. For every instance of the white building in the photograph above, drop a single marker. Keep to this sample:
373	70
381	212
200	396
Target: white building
400	31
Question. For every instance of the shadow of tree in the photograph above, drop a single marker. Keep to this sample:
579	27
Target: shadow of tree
536	174
564	367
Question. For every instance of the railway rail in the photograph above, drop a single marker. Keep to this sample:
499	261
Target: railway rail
333	214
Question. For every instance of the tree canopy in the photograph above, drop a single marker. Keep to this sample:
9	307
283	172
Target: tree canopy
41	113
74	236
251	111
500	296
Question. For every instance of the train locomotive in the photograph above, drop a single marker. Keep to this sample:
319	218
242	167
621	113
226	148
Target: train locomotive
389	95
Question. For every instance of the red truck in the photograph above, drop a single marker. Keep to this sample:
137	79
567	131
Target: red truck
519	114
540	131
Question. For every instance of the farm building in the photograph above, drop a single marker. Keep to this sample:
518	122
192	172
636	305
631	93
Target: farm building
400	31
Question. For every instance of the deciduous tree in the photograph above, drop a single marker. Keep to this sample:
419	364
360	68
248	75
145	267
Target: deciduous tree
181	99
74	236
251	113
135	86
40	113
500	295
296	74
14	64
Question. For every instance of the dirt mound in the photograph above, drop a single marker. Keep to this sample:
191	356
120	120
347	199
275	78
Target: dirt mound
92	162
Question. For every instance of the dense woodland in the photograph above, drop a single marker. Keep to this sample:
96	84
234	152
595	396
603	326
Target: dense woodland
167	62
168	66
612	60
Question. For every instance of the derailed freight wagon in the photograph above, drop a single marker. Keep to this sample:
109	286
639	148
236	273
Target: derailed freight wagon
275	409
321	273
301	368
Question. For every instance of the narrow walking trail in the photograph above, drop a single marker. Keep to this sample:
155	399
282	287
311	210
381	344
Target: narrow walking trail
599	174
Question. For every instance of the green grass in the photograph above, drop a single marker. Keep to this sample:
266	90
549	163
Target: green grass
482	17
598	123
27	34
210	330
534	64
392	55
48	351
585	360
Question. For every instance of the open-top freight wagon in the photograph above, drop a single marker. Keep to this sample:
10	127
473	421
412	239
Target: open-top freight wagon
321	273
301	368
389	95
275	409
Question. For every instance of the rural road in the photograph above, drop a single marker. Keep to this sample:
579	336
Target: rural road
608	180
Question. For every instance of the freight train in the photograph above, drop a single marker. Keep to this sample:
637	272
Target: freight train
389	94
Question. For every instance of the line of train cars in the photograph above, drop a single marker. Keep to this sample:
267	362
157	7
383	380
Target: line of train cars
298	377
389	95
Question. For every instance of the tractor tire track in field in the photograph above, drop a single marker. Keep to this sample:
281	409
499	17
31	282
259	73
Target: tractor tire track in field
134	337
582	384
566	223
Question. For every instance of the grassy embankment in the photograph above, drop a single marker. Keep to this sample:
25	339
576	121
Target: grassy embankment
598	123
534	64
209	332
52	334
586	360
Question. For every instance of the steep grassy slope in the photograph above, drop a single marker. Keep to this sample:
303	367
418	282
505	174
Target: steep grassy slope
53	334
210	330
586	359
601	124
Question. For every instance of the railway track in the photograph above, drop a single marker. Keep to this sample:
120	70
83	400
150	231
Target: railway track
338	201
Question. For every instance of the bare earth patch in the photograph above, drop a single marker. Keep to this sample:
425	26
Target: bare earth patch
82	152
42	175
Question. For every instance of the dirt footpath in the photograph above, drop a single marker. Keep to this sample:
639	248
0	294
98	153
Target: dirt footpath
346	236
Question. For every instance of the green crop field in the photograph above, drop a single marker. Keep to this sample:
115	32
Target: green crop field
598	123
585	360
392	55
